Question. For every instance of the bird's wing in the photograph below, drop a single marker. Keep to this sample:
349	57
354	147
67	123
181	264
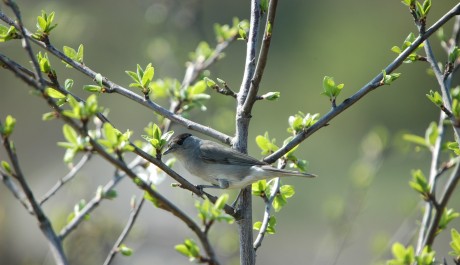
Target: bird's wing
211	152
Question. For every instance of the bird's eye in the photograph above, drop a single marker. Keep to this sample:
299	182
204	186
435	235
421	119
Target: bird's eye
181	138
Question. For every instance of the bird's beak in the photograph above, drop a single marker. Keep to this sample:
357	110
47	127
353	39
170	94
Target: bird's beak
167	151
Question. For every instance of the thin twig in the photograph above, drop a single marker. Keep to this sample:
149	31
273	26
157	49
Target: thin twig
17	193
132	219
267	214
447	193
69	176
373	84
435	154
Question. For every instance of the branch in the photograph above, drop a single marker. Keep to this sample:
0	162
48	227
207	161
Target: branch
18	194
267	214
132	219
184	183
374	83
61	182
162	202
434	173
44	223
447	193
240	141
262	59
112	87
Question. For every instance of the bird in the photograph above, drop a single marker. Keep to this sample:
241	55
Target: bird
222	166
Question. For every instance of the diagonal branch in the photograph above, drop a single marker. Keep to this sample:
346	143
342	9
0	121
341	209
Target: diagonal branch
112	87
69	176
132	219
18	194
373	84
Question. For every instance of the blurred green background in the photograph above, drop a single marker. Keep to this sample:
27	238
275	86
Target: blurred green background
349	40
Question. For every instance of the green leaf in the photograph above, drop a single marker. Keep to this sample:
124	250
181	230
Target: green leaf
402	255
259	188
431	134
110	133
68	84
271	96
455	244
270	228
436	98
427	257
133	76
454	55
330	88
420	184
8	128
125	251
182	249
415	139
92	88
447	216
210	82
264	6
193	248
70	134
396	49
53	93
265	144
287	191
70	52
41	24
7	167
110	194
221	201
198	88
148	75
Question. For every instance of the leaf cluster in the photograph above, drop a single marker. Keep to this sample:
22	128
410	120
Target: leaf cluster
156	137
406	43
142	78
44	25
8	33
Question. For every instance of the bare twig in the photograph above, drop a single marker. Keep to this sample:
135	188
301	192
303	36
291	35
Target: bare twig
69	176
435	153
373	84
132	219
447	193
267	214
17	193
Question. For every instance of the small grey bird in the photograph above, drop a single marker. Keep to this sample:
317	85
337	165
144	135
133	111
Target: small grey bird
222	166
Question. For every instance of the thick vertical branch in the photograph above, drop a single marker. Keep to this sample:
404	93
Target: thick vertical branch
247	253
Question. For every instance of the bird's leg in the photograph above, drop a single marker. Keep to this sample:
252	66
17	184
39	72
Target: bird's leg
236	200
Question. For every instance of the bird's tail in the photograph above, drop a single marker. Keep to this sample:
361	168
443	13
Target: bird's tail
283	172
